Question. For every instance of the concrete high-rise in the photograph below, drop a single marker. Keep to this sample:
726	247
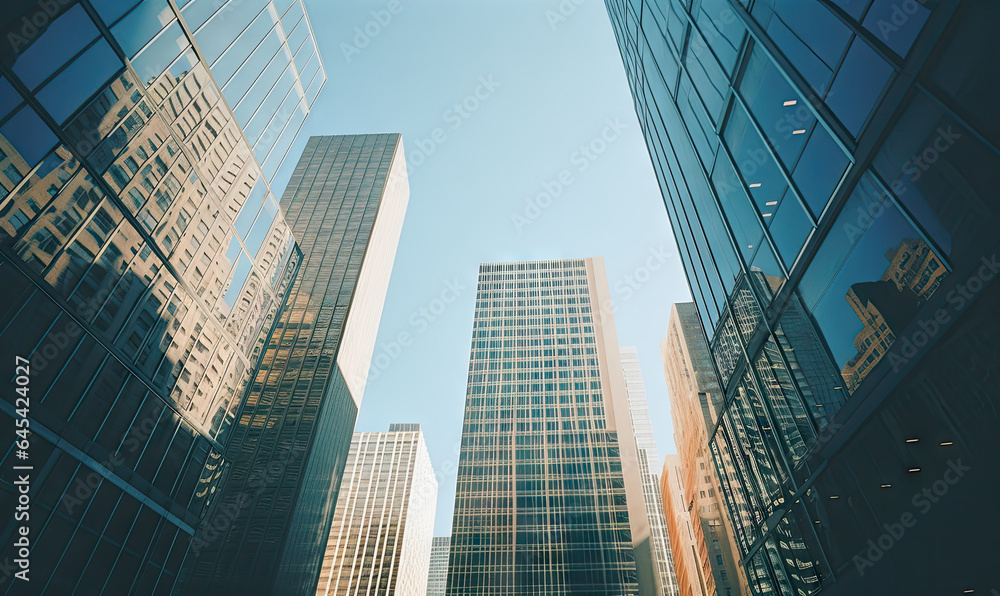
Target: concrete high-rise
549	498
345	203
380	540
827	167
437	576
694	485
690	578
144	262
649	462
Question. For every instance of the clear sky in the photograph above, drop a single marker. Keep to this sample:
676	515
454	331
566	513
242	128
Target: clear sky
498	101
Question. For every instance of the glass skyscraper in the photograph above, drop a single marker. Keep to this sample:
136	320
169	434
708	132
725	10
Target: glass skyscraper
649	463
549	495
345	203
712	564
380	540
829	168
144	261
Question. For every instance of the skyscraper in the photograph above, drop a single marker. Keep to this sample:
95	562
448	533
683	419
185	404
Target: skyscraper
437	575
345	203
144	261
694	485
649	461
690	578
807	151
380	540
548	498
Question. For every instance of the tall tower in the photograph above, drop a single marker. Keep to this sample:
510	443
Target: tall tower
649	461
821	162
549	498
345	202
437	576
380	540
144	262
693	485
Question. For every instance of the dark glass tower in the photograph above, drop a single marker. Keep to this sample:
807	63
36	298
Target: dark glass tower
143	260
549	497
830	170
345	203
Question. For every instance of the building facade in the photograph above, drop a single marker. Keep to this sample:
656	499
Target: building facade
345	204
548	498
694	401
437	576
381	538
807	152
690	578
649	461
145	262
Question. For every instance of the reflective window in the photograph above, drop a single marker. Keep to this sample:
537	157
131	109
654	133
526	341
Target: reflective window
896	26
819	170
159	54
28	135
944	175
141	25
9	98
223	28
868	279
62	39
244	46
248	213
736	205
79	81
789	226
858	85
809	35
255	239
240	273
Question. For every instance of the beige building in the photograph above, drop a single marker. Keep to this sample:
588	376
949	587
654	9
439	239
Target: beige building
380	540
697	518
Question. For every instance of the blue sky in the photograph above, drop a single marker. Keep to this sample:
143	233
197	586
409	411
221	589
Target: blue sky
498	101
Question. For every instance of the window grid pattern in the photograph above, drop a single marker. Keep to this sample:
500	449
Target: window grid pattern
540	506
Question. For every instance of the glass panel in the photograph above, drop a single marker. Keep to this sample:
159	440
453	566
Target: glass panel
781	113
809	35
858	85
868	280
240	273
61	40
819	170
736	205
28	135
945	176
141	25
896	24
244	46
248	213
160	53
789	226
260	229
79	81
223	28
9	98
